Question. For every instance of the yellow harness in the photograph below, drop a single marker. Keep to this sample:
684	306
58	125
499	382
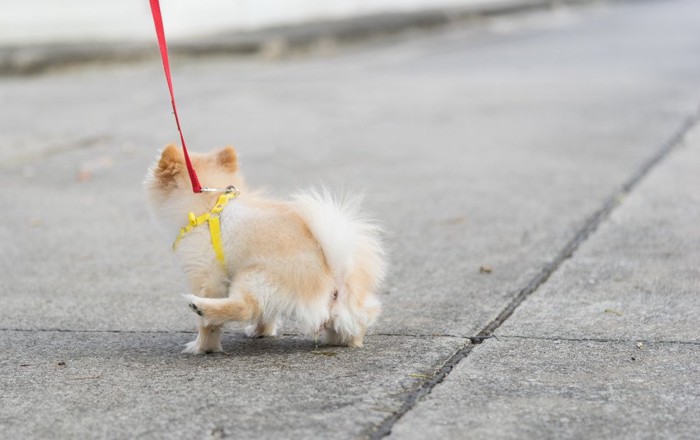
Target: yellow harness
212	218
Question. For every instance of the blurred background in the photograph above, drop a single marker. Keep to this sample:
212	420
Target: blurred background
46	21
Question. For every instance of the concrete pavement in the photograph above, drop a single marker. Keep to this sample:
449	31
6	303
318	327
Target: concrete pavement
608	347
499	146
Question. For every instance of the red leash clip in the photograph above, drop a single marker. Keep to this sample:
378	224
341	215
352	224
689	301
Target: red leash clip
158	21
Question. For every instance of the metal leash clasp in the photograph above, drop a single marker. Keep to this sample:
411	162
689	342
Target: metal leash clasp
228	190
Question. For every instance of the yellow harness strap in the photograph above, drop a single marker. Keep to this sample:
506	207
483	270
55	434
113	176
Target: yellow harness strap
212	218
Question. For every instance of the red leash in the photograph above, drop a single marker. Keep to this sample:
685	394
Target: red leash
158	21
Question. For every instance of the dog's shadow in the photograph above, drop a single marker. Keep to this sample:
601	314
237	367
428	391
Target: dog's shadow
240	345
237	345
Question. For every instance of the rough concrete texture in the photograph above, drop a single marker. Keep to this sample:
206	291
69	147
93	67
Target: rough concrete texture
587	361
129	385
638	277
540	389
488	145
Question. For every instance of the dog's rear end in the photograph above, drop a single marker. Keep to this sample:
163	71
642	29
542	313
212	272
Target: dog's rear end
356	258
339	309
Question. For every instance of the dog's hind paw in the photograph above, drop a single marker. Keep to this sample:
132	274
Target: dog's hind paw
261	330
196	309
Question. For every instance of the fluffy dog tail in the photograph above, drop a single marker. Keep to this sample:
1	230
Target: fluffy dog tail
354	252
348	240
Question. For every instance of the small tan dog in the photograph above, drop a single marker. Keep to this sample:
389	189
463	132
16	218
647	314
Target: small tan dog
312	259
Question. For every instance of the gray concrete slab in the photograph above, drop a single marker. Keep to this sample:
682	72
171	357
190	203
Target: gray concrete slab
474	148
128	385
520	388
638	277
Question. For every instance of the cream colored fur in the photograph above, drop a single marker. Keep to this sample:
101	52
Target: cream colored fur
313	259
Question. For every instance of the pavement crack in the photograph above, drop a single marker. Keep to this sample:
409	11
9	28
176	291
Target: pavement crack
592	223
589	227
424	389
479	339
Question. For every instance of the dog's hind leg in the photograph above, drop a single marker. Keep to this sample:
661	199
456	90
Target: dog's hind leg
331	336
217	311
262	328
209	336
241	305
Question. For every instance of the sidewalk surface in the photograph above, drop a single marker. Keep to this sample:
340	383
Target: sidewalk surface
559	149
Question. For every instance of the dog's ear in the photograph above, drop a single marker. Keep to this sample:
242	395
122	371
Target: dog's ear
170	163
227	159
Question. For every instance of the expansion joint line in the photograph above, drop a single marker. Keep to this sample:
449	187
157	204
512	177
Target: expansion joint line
589	227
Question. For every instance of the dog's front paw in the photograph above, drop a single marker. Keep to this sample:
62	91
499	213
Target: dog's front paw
195	347
208	341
